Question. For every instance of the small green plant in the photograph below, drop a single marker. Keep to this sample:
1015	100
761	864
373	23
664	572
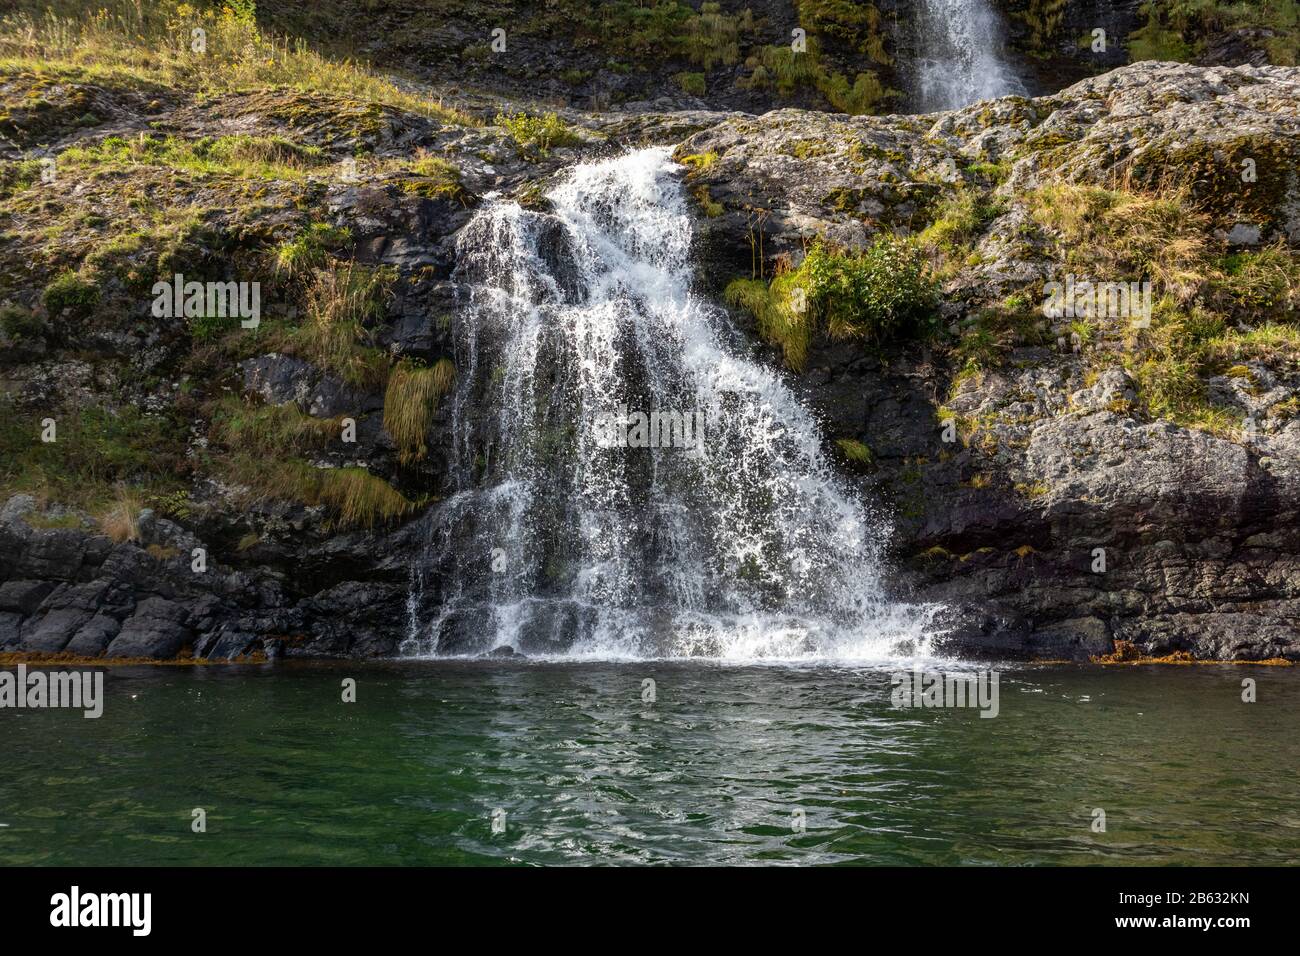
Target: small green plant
536	136
438	179
71	292
856	452
692	83
710	207
311	248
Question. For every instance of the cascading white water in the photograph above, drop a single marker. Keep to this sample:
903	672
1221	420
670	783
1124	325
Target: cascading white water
958	59
556	544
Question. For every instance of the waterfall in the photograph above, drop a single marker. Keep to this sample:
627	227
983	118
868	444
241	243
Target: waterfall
566	535
958	59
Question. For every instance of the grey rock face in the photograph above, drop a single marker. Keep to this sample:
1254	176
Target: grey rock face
157	629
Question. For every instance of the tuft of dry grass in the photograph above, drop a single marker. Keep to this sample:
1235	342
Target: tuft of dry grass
355	497
339	300
121	521
410	403
1113	232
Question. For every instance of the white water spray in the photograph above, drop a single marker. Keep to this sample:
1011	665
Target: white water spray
556	544
959	59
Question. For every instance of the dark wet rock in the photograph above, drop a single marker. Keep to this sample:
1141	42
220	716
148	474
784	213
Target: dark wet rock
23	596
54	630
157	630
10	630
93	637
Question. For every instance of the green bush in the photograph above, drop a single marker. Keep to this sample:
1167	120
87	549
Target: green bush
536	135
884	293
692	83
70	291
311	248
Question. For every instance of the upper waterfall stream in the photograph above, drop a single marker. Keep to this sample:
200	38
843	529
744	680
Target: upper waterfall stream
739	542
960	57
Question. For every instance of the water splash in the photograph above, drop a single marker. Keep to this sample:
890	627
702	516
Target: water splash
555	543
959	59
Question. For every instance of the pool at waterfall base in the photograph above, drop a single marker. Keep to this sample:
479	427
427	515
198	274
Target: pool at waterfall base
553	762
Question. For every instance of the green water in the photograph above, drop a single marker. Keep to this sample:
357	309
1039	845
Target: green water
711	772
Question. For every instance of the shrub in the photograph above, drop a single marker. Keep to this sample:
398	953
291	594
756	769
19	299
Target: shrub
882	294
311	248
70	291
536	136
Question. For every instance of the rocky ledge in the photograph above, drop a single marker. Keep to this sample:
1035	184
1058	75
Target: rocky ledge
1060	484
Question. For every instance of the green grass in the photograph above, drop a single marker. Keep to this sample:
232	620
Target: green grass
692	83
270	429
311	248
95	449
149	42
776	315
17	175
1180	29
19	324
354	497
244	157
437	178
856	452
536	136
339	302
70	291
785	71
959	219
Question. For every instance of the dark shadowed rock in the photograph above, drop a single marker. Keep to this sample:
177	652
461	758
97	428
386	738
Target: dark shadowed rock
156	630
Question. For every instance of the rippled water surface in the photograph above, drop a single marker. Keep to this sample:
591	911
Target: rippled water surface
714	771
